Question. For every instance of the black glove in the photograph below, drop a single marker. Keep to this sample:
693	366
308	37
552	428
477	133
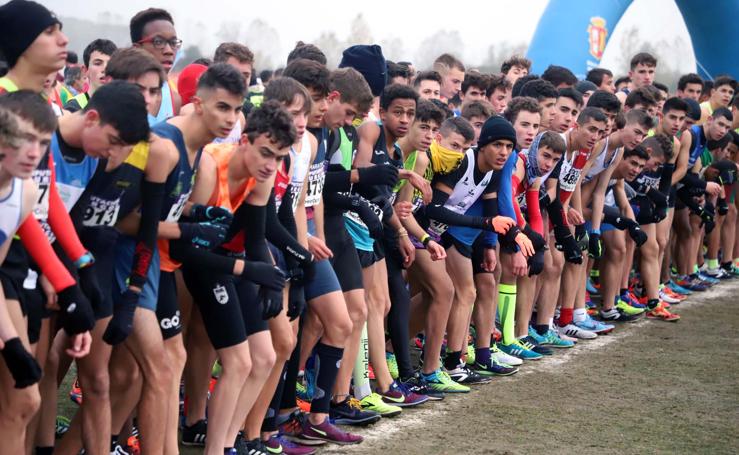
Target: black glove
658	198
296	297
89	284
22	365
536	262
581	236
264	274
565	242
636	233
76	315
199	212
308	270
708	215
369	217
595	245
536	239
722	208
121	325
203	235
382	175
384	204
271	302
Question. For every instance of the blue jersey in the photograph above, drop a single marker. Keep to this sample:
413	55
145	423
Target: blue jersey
699	143
72	176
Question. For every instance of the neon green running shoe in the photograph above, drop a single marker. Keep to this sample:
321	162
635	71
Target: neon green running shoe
374	402
470	354
628	309
216	370
440	381
392	364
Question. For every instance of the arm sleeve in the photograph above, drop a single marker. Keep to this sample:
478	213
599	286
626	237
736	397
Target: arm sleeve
337	179
665	181
60	222
187	253
505	192
38	246
693	180
534	211
490	207
438	212
152	197
278	235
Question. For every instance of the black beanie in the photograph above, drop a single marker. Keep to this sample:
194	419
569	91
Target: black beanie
21	22
496	127
369	61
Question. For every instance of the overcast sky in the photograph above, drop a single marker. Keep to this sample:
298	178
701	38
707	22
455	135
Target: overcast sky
478	24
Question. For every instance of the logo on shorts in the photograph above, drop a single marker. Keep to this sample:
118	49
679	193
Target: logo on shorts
220	294
597	34
171	323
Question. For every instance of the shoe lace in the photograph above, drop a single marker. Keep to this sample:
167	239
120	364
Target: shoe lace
353	403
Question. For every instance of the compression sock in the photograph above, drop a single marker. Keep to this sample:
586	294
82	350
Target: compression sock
565	316
452	360
507	311
269	424
362	386
482	355
328	360
579	314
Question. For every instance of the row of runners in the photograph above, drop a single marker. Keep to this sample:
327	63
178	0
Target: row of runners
245	271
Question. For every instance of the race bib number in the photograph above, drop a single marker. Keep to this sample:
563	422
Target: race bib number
568	177
101	212
42	178
357	219
295	193
316	180
176	211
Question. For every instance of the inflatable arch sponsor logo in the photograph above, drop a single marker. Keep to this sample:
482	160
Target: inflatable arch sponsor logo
597	36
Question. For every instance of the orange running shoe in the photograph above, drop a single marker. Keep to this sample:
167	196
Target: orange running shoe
663	314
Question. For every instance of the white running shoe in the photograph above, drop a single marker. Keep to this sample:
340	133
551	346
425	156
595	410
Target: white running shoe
501	357
574	331
666	297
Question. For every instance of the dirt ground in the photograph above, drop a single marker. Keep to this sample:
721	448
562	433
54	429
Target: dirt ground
649	388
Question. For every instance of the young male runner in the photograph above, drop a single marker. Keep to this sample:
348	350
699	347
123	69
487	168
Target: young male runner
473	88
498	92
721	95
95	56
477	112
428	85
452	73
641	74
546	95
689	86
153	30
559	76
515	67
602	78
568	105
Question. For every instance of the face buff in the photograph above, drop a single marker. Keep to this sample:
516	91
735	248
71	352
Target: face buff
444	160
532	163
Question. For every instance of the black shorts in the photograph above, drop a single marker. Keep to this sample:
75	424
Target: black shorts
478	255
101	241
345	260
672	199
31	301
168	310
367	258
230	306
448	241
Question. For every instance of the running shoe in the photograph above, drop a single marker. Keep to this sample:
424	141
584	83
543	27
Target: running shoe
374	402
718	273
350	412
668	290
707	279
194	435
395	395
501	357
417	386
590	287
301	391
666	297
464	375
574	331
62	426
392	364
588	301
412	395
329	433
631	300
616	314
519	350
133	446
75	392
418	341
249	447
629	309
470	354
594	326
731	269
552	339
663	314
292	429
691	284
440	381
494	368
677	288
279	444
535	346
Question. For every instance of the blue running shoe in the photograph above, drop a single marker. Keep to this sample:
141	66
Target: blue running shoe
551	339
590	287
592	325
708	279
679	289
631	300
518	349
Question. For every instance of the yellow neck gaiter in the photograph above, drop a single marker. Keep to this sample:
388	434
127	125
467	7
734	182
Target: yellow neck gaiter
444	160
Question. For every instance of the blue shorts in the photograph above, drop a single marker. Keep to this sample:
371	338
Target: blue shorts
604	227
123	260
325	280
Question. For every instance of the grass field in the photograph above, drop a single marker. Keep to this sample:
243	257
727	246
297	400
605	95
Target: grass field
650	387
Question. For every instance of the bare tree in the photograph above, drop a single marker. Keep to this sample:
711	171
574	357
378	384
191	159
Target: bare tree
443	41
360	32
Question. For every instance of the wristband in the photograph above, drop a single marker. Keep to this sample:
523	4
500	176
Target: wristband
595	231
425	239
85	260
402	232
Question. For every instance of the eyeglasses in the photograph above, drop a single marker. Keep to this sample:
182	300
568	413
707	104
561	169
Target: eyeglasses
159	43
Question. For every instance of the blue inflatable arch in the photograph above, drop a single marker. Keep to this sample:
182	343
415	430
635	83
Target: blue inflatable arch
574	34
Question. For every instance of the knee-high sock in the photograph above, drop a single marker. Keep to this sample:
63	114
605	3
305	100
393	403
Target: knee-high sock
269	423
328	360
362	386
507	311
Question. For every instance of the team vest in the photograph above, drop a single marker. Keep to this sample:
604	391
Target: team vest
71	178
11	207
